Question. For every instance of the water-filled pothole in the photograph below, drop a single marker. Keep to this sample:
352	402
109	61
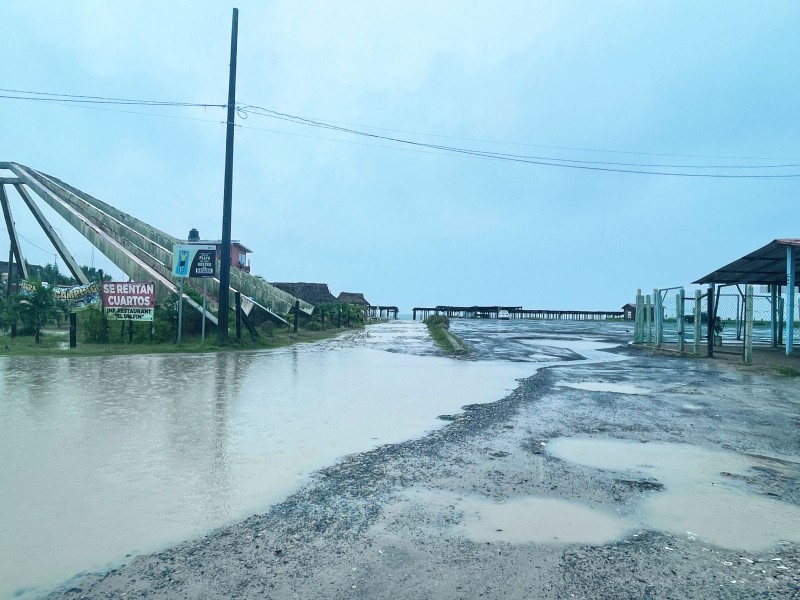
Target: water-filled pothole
539	520
700	498
600	386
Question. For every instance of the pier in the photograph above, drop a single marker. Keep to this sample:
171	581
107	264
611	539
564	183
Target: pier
383	312
515	312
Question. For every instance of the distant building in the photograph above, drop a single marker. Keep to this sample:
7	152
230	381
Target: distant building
629	311
238	255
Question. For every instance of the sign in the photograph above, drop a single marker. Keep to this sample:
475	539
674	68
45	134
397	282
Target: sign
129	301
194	260
76	297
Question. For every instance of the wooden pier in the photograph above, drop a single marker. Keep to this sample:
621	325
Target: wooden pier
515	312
383	312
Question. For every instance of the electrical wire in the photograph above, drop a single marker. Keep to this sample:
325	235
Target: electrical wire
536	160
244	110
551	147
137	112
22	237
74	98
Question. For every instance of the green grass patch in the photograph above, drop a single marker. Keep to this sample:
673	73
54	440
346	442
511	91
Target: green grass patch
439	329
788	371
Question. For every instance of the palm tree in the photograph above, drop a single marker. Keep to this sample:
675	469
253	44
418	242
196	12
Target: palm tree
353	313
38	308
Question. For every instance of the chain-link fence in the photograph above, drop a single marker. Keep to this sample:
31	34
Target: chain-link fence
675	317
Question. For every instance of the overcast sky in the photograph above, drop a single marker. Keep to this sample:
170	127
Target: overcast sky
677	83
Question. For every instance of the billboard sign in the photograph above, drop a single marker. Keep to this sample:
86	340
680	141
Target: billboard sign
194	260
128	300
76	297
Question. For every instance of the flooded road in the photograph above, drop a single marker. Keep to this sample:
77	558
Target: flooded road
110	457
370	466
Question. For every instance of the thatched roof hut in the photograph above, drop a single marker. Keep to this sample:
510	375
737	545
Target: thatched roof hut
353	298
313	293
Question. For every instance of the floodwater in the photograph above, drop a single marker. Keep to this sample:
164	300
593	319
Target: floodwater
107	457
699	500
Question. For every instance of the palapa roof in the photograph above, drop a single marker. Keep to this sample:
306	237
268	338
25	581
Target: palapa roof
313	293
765	266
353	298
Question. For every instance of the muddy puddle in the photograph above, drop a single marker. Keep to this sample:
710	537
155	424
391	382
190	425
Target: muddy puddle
538	520
704	497
515	521
599	386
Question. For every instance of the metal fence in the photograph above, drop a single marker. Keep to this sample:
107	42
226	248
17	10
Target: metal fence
741	319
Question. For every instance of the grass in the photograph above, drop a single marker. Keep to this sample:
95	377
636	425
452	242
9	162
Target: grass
439	329
56	342
788	371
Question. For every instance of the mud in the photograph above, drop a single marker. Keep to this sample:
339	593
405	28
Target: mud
420	519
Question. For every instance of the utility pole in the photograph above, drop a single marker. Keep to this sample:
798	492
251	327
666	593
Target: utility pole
227	200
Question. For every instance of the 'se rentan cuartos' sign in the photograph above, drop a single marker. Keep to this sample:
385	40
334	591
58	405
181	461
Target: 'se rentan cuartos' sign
128	300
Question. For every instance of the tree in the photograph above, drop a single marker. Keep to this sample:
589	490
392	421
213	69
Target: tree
38	308
5	312
353	313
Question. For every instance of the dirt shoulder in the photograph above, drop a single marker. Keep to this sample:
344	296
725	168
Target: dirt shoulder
380	525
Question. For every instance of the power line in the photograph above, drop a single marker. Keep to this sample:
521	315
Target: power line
552	147
78	99
35	245
244	110
136	112
536	160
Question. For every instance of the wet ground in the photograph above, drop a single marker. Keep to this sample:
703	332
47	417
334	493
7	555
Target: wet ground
613	473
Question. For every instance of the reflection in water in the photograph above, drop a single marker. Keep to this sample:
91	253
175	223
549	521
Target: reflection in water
109	456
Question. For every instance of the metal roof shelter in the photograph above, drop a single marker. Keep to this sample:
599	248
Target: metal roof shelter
775	265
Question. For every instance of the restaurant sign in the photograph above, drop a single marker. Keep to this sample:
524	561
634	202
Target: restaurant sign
128	300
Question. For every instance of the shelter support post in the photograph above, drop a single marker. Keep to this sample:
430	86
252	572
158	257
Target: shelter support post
773	314
698	320
790	306
658	301
648	314
711	320
679	301
748	326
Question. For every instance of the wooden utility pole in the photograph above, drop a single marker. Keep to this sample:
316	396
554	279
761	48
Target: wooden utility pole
227	201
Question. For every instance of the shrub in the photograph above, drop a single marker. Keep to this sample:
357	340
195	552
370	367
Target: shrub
93	326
